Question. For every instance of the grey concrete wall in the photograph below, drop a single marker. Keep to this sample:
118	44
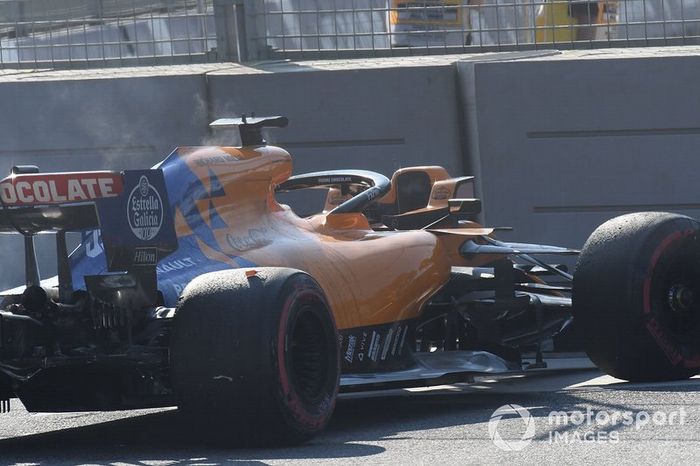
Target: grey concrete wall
563	142
380	119
101	123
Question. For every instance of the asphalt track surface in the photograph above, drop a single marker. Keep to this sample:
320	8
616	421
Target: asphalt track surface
443	425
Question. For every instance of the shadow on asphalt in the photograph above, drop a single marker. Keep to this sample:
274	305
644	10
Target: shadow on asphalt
679	386
358	423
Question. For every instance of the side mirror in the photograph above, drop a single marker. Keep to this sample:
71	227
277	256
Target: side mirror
464	206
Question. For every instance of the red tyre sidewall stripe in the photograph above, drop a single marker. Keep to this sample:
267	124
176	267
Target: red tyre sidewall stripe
282	345
652	325
662	341
289	396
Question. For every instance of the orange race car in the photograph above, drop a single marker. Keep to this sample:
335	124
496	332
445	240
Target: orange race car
192	286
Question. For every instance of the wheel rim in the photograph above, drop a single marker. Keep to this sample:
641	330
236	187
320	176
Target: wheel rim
308	351
677	292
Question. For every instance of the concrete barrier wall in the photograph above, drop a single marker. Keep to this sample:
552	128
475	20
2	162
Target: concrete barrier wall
381	119
562	142
100	123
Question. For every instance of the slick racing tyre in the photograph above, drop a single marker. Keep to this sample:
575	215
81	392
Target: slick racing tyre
636	296
254	356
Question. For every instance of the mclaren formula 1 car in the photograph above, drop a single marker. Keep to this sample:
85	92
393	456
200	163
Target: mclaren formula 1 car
192	286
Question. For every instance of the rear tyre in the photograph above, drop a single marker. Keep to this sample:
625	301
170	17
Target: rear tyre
255	358
636	296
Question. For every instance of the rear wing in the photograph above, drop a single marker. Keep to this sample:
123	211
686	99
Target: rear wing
130	208
35	202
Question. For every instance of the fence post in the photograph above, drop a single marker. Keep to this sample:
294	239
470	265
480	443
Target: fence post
255	29
21	22
96	9
238	30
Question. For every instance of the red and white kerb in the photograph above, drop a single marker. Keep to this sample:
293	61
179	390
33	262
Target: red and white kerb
59	188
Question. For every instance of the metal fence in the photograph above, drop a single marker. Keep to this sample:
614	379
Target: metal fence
311	28
79	33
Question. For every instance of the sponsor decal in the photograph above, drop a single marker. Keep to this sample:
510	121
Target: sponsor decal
256	238
400	335
58	188
93	243
372	193
364	347
179	287
374	346
177	264
662	340
334	179
216	159
441	193
145	256
144	210
387	343
350	351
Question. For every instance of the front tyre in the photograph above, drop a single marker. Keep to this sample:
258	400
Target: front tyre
255	357
636	296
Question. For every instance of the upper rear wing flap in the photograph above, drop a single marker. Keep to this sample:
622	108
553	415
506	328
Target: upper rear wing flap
131	208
